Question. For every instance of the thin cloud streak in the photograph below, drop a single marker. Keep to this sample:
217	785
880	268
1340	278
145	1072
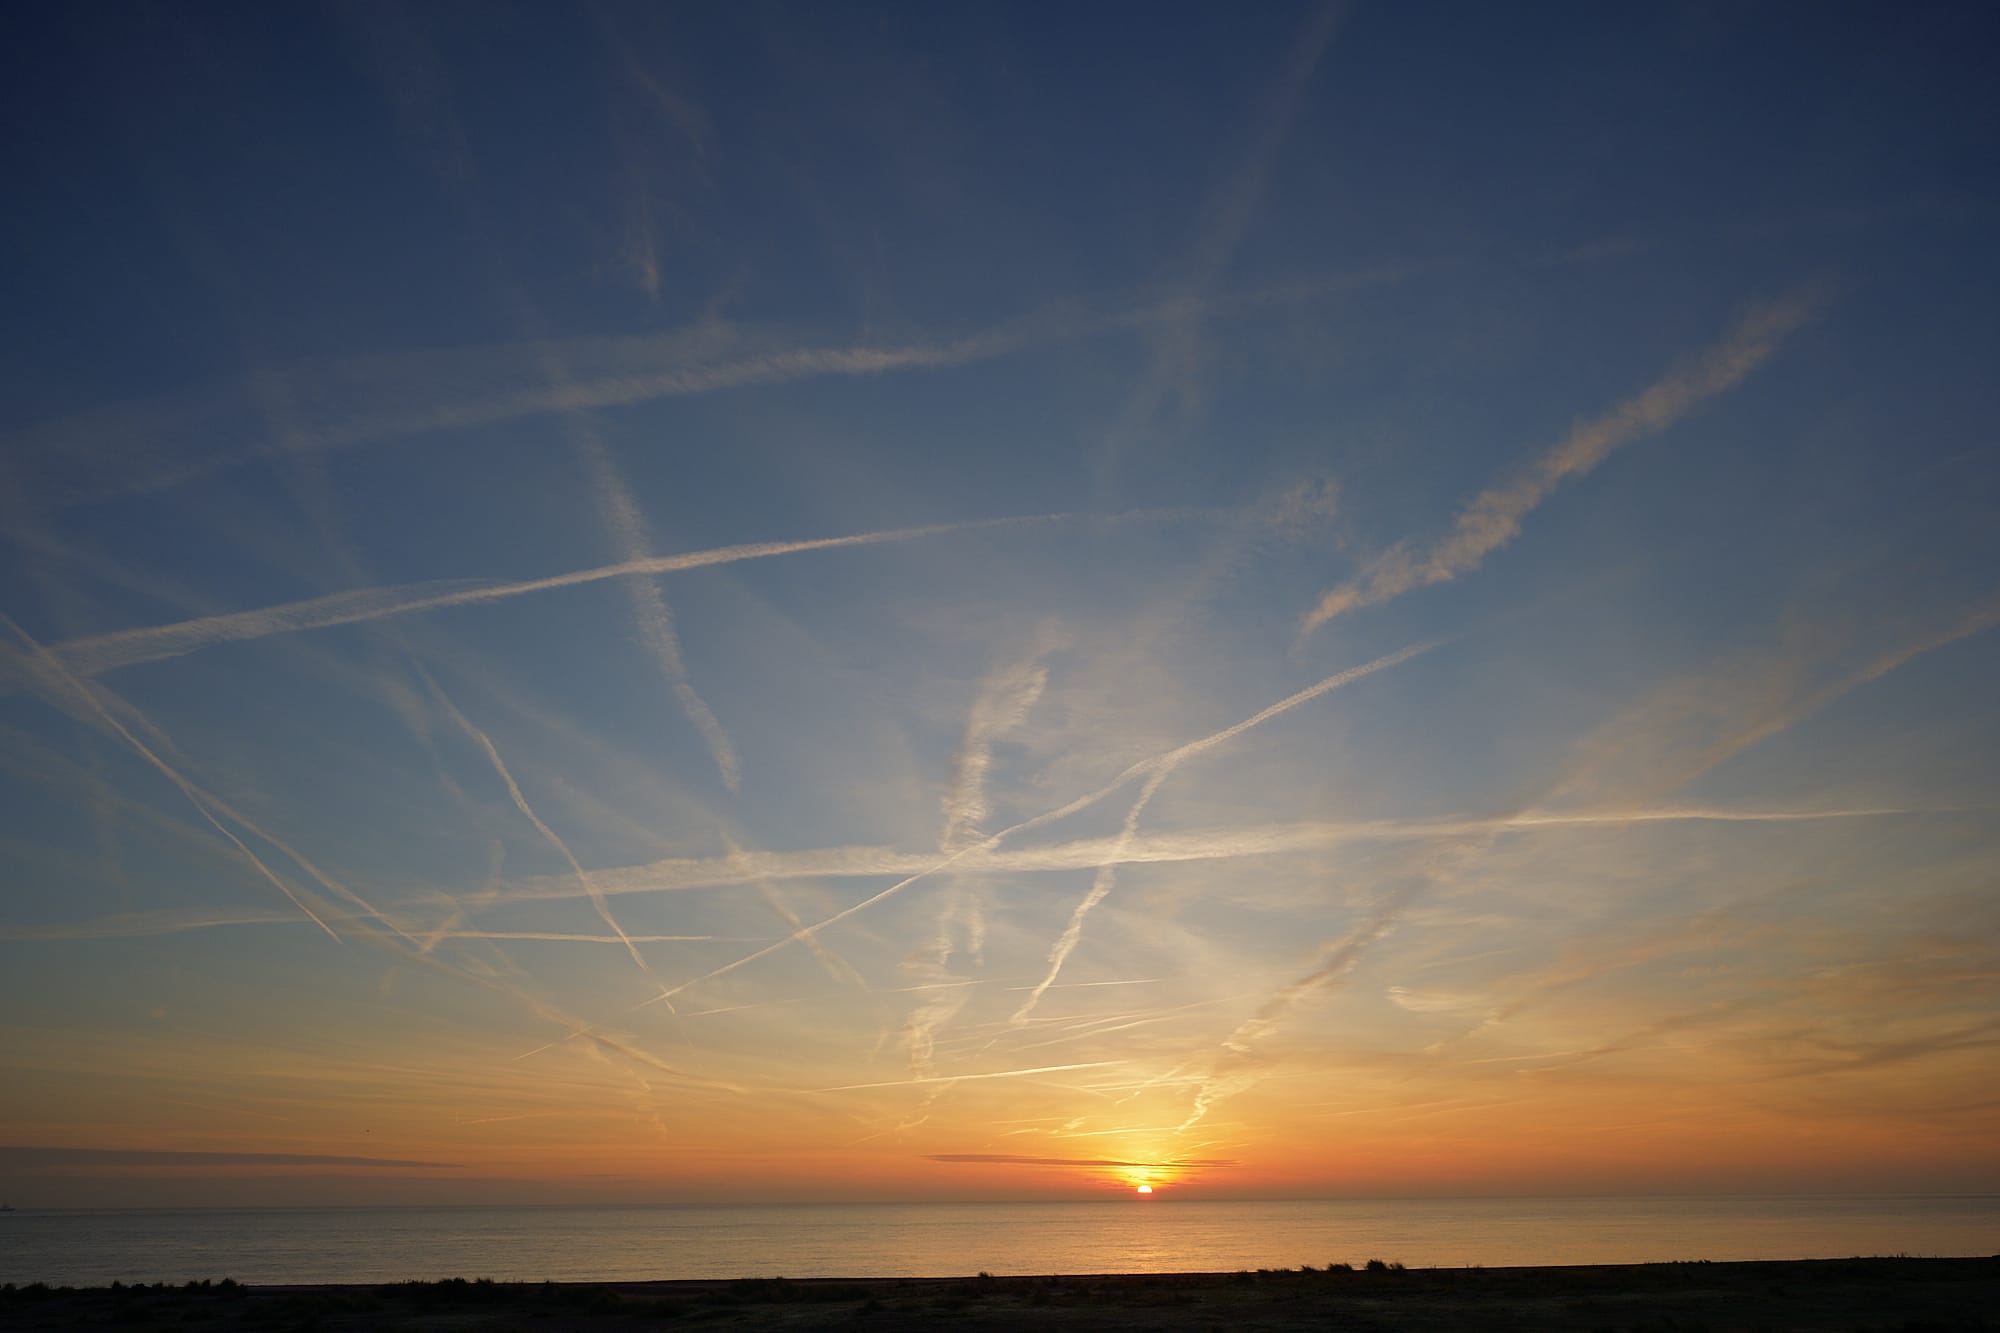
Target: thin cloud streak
654	617
1107	874
1174	366
1003	703
683	875
1980	619
549	835
1237	1069
1015	1159
834	965
1493	517
43	668
106	652
571	937
1100	889
969	1078
679	875
65	461
1169	759
32	1159
69	685
960	930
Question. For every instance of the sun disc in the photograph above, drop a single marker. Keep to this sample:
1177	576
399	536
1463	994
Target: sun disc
1145	1189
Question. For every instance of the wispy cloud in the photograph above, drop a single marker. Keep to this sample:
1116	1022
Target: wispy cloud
655	619
576	937
1100	889
88	701
748	868
68	691
1174	368
31	1159
147	447
107	652
1238	1066
835	966
960	930
1977	621
405	64
549	835
1494	516
1162	768
1146	768
1016	1159
91	703
970	1078
1694	724
1003	703
129	925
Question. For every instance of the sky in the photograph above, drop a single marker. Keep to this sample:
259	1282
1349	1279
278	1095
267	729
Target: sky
638	603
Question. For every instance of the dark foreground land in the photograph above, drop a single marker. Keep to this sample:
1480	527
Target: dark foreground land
1907	1295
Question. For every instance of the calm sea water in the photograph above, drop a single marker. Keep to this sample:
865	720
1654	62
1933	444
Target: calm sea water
890	1240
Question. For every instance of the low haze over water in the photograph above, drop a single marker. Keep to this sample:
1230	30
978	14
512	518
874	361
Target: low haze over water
96	1247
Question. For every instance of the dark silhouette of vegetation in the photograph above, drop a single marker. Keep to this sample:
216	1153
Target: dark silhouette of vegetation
1876	1295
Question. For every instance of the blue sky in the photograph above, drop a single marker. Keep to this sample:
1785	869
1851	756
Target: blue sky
719	601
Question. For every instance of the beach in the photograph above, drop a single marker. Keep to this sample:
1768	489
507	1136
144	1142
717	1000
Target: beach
1958	1295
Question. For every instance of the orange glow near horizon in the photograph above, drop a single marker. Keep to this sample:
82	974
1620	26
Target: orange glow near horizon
1144	1177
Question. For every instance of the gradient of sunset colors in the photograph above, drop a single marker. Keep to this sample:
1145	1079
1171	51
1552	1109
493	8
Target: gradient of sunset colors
670	603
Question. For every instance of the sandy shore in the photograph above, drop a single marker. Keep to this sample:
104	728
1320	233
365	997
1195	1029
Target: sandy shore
1908	1295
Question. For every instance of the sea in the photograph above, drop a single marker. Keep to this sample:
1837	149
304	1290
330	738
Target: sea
85	1247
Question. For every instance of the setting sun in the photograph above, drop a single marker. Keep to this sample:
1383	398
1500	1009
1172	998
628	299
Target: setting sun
1145	1189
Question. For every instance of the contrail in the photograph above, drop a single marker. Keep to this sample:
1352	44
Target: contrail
1226	217
1098	1027
559	937
1755	699
1236	1067
1236	1070
1003	703
873	862
1168	760
129	925
554	375
1980	619
1084	985
945	992
680	874
1493	518
1016	1159
599	1042
66	461
527	812
967	1078
649	607
54	672
195	795
1108	873
835	966
1334	962
106	652
1100	889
